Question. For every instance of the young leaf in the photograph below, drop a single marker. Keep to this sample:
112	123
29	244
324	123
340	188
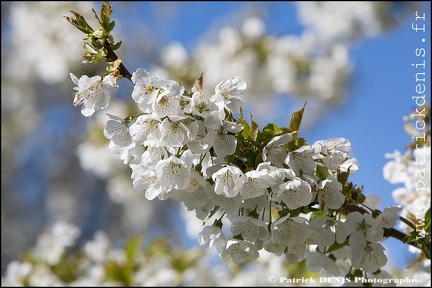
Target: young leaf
274	128
116	46
322	172
110	27
427	226
246	132
105	14
132	247
254	129
295	122
343	177
79	22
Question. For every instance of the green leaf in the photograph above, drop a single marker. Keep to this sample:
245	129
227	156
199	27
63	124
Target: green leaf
132	247
322	172
119	273
105	14
343	177
246	132
336	245
89	49
116	46
258	159
255	129
268	132
296	119
410	238
96	58
79	22
275	130
427	226
294	144
110	26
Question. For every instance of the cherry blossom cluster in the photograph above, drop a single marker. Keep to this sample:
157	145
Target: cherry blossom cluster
254	189
258	190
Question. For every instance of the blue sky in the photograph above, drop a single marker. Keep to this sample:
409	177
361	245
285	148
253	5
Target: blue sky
379	94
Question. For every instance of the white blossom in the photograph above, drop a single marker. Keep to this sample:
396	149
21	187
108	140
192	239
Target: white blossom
330	194
16	273
145	127
317	262
331	231
301	160
212	236
117	131
51	245
146	89
93	93
289	230
250	229
333	152
240	251
228	91
174	132
295	193
223	143
229	181
361	229
275	152
155	151
256	184
146	180
172	173
369	257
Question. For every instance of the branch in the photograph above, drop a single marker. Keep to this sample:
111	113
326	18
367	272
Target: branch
112	56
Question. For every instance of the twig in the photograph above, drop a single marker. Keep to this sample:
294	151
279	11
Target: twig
112	56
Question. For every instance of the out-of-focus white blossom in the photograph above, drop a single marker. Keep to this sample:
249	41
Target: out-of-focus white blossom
42	38
51	245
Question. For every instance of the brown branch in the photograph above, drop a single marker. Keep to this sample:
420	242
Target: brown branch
112	56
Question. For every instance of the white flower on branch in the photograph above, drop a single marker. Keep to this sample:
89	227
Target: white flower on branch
93	93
